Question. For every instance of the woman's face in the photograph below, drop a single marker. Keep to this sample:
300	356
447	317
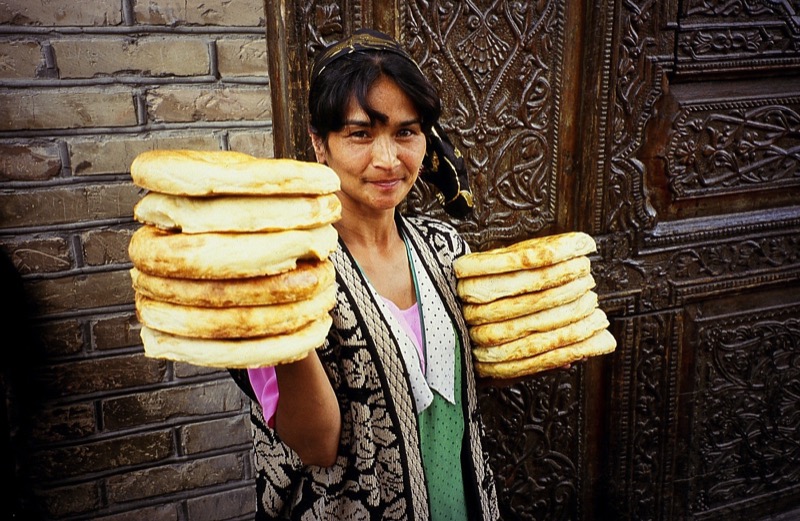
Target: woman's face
376	163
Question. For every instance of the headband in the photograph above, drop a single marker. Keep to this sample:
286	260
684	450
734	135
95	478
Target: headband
443	165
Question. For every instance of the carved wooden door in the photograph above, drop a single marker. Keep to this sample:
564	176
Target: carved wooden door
670	131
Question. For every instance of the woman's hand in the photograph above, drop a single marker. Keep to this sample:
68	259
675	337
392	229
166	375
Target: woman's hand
308	418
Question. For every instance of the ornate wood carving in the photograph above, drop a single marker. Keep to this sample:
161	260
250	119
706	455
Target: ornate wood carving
730	147
644	406
717	156
667	277
737	36
498	67
634	85
535	445
745	414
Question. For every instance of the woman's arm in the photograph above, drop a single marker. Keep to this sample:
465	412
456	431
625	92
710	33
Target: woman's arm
307	418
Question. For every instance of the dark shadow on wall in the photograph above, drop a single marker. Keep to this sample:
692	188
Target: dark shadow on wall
21	350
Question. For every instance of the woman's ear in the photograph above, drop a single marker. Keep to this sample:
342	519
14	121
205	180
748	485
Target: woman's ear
319	147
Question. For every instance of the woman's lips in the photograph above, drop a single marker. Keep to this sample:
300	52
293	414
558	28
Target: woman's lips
387	183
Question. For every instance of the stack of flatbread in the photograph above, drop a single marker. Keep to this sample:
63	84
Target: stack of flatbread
531	307
230	265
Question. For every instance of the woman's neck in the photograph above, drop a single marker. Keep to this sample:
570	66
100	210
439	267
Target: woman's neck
378	248
377	232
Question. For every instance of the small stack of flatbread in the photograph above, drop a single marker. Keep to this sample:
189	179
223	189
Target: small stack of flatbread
531	307
230	265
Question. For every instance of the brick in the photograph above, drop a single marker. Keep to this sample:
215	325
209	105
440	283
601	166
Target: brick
20	60
62	13
71	500
149	56
230	504
61	338
190	104
29	161
78	107
82	292
184	370
40	255
64	423
72	204
165	512
257	143
101	375
115	453
103	247
216	434
115	155
173	478
116	332
242	57
174	402
247	13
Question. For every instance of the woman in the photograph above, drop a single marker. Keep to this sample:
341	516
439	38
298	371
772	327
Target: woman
380	422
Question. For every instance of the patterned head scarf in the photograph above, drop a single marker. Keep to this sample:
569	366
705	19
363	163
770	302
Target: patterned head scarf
443	165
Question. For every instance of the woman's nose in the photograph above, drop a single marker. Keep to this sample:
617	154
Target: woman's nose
384	152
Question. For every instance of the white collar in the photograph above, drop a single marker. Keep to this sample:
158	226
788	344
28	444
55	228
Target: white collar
439	338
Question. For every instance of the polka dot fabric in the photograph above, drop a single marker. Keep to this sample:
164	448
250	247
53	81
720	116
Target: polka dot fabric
441	433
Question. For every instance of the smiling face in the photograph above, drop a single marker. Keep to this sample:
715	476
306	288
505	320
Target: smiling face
377	161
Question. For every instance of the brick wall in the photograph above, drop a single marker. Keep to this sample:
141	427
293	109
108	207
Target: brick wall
93	429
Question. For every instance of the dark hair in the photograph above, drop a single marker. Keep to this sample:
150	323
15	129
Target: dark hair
353	75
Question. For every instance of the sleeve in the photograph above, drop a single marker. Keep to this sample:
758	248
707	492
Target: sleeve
260	385
265	387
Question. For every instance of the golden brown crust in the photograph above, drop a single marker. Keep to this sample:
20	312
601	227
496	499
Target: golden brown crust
233	322
237	213
227	255
220	172
237	353
527	303
600	343
488	288
504	331
307	279
541	342
525	255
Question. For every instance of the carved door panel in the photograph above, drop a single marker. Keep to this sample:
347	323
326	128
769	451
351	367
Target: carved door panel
670	132
697	211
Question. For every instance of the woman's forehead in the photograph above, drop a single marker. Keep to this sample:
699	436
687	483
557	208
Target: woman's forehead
355	112
386	101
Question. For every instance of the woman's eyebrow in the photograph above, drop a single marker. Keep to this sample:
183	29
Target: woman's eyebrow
410	122
367	123
357	122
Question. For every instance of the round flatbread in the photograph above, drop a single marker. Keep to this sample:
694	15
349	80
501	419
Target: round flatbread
237	353
541	342
600	343
237	213
233	322
525	255
488	288
527	303
221	172
227	255
308	279
496	333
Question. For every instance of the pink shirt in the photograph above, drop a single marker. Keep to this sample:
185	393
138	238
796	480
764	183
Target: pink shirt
265	383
